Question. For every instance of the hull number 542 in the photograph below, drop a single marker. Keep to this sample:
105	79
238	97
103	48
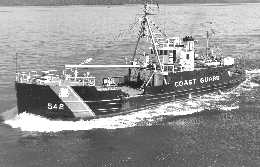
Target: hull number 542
55	106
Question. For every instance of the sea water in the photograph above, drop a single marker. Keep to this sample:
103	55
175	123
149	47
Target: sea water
216	129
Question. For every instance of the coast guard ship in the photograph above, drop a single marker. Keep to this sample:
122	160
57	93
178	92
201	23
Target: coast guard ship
170	69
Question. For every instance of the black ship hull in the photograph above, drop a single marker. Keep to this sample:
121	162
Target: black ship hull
87	102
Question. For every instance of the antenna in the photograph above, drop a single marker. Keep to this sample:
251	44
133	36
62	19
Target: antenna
16	63
209	33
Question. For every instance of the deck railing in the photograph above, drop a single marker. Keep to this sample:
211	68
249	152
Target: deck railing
85	81
52	79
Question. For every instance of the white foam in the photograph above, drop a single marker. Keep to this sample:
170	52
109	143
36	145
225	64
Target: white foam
31	122
253	71
247	86
253	85
229	108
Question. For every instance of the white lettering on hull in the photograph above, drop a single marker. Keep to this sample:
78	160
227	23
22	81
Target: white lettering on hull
185	83
55	106
209	79
193	81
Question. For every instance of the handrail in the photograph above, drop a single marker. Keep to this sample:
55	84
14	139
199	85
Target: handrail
100	66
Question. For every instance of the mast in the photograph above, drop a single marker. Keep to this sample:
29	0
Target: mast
154	45
139	38
145	24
